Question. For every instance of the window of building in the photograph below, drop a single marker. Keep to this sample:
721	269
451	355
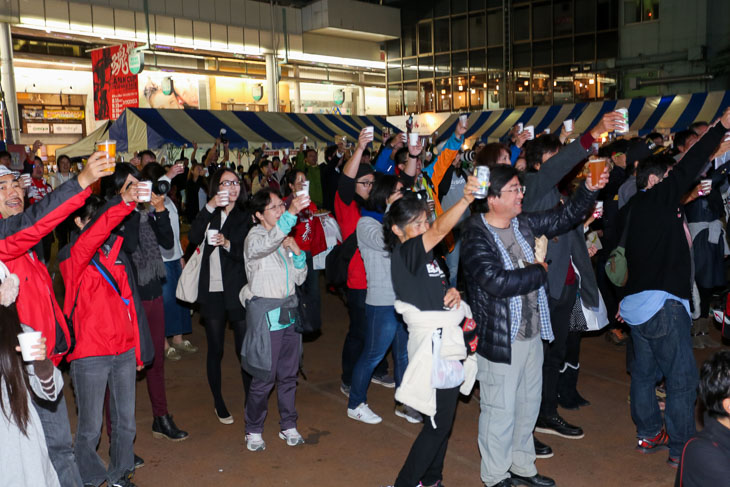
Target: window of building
541	21
478	92
521	55
392	49
424	38
607	45
494	58
541	87
585	48
562	17
562	85
394	71
607	13
410	97
477	61
426	96
640	11
395	104
584	86
441	7
458	6
606	86
476	5
562	51
461	93
521	81
441	42
443	95
442	65
585	16
521	24
410	69
425	67
494	3
459	63
409	40
458	33
477	30
541	54
494	28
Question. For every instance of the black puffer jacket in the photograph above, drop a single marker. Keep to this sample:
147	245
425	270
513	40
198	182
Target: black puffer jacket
489	285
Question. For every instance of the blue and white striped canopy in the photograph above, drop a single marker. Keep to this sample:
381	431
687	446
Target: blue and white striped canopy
666	113
147	128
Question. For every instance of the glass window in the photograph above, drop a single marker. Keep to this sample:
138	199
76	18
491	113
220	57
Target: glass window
606	86
424	38
541	87
494	94
562	17
477	29
394	71
458	7
563	51
607	45
461	93
410	97
585	16
442	65
607	13
409	40
441	8
477	61
478	92
521	24
441	40
425	96
425	67
410	69
476	5
392	49
541	21
522	88
541	54
584	48
494	28
632	11
521	55
443	95
458	33
651	10
494	3
494	58
459	63
562	85
395	105
584	86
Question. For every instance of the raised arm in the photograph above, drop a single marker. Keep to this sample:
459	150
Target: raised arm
444	223
351	166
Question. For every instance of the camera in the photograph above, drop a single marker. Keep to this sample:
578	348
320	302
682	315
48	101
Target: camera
161	187
222	136
468	156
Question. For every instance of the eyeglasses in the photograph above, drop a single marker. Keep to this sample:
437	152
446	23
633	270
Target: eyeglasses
230	183
518	189
275	207
365	183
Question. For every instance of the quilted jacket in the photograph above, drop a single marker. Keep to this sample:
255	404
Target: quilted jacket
489	285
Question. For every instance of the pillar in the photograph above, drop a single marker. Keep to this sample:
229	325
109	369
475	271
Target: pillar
361	95
271	83
296	95
8	81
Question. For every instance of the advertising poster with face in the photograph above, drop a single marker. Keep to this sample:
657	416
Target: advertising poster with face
115	88
167	90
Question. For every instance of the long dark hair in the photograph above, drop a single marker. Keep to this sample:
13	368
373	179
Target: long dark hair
12	370
215	183
401	213
289	179
383	187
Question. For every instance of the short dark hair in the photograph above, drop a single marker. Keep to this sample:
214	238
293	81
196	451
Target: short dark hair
499	175
681	138
260	201
656	165
401	213
534	149
489	154
4	153
698	124
654	135
147	153
153	171
714	385
92	204
121	171
620	145
263	163
308	150
383	187
330	152
366	153
61	157
401	156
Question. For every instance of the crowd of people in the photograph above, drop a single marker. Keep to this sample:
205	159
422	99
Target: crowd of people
465	279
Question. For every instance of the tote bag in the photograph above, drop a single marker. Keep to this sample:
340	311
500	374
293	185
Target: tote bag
187	285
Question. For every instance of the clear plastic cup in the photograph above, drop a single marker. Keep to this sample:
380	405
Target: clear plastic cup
110	147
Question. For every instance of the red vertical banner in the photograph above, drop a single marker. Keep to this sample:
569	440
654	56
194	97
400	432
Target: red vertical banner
115	88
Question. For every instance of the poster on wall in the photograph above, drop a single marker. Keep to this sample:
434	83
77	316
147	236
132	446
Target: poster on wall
172	90
115	88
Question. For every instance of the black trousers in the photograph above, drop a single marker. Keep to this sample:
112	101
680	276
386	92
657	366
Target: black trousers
555	352
425	462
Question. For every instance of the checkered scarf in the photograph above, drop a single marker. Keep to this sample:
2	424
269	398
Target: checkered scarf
515	302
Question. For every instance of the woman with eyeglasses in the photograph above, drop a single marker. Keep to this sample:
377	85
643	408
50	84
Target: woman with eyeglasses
272	347
222	269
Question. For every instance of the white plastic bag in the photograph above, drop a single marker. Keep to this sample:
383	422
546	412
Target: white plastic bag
445	374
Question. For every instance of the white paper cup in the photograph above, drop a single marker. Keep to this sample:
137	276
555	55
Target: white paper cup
727	136
224	197
531	130
144	189
305	194
304	146
520	128
463	119
27	340
547	131
568	124
211	235
305	187
413	139
286	152
404	137
624	113
369	131
25	180
706	185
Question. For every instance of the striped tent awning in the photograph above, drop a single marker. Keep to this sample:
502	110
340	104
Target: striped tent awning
147	128
666	113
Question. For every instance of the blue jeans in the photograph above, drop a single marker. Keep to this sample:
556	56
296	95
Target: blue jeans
383	327
91	376
355	338
57	431
663	344
177	316
452	259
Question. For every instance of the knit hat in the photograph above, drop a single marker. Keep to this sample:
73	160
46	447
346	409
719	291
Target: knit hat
364	170
4	171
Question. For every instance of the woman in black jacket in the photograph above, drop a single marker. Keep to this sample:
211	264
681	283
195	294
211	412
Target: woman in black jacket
196	186
222	268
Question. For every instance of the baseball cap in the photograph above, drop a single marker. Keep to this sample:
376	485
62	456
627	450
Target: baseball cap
4	171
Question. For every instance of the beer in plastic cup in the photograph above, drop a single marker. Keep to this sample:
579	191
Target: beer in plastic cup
463	119
531	130
568	124
211	235
224	197
482	174
110	147
413	139
520	127
596	167
144	190
26	341
624	113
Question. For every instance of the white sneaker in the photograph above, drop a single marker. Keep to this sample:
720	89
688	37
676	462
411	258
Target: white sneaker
408	413
364	413
292	437
254	442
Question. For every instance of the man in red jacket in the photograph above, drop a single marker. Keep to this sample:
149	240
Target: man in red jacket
20	231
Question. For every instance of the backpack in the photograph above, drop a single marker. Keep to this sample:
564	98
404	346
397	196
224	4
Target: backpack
338	260
617	269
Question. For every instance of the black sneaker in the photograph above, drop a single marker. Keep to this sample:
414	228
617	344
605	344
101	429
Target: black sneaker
555	425
536	480
384	380
541	449
138	461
